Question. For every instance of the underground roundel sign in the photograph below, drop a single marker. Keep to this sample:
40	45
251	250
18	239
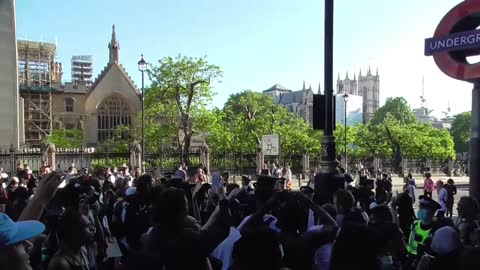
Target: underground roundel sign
456	38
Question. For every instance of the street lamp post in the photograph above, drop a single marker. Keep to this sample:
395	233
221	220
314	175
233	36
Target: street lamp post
142	67
345	98
326	181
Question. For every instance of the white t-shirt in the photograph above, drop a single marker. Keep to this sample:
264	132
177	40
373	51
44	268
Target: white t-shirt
269	219
224	251
442	199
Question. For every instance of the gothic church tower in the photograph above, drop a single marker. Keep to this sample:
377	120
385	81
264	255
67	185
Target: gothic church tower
369	89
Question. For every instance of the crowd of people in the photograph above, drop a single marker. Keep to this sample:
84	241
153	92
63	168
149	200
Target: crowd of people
202	220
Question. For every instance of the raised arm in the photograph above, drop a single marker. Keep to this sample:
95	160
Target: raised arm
46	190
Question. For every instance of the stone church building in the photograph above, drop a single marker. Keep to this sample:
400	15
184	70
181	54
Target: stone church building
298	102
112	100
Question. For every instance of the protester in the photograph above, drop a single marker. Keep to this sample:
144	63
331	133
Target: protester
442	199
409	186
428	185
444	253
451	191
468	221
171	224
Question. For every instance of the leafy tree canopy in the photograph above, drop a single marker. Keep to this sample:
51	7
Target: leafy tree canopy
177	100
461	129
398	108
63	138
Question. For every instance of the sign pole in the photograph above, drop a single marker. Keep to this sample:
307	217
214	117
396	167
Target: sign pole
474	158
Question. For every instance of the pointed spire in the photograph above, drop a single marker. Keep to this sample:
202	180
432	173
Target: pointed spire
346	77
114	36
303	85
319	89
113	47
376	73
354	76
360	73
369	72
338	76
310	88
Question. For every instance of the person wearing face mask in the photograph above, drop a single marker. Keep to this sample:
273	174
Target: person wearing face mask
421	229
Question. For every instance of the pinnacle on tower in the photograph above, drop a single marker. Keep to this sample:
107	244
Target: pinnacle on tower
360	73
310	88
346	77
377	72
338	76
319	89
113	47
354	76
303	85
369	73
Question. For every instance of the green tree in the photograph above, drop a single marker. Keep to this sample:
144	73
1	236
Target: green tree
177	99
119	142
250	115
63	138
461	129
397	108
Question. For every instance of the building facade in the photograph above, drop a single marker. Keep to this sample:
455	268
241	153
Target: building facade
368	87
95	108
299	102
82	69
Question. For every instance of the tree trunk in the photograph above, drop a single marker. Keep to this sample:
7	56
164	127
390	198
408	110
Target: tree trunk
186	148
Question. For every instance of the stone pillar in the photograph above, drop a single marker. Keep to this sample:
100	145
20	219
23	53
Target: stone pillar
405	166
204	157
260	160
305	162
10	122
376	164
49	156
136	155
450	167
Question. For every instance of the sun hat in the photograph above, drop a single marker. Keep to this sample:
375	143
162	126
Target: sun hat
12	233
445	241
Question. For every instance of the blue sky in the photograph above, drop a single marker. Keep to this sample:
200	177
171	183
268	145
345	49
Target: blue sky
257	43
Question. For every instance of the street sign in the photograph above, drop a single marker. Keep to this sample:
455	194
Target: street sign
271	145
455	38
454	42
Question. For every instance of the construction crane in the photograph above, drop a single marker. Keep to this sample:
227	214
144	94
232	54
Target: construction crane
446	113
422	97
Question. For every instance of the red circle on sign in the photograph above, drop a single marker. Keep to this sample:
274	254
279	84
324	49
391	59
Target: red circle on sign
444	60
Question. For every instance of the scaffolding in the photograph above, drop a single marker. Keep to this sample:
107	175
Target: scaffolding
38	76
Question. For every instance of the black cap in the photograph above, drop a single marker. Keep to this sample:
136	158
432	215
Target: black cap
246	179
427	202
348	178
267	180
307	190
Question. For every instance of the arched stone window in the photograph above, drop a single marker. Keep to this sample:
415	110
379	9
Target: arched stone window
69	104
112	112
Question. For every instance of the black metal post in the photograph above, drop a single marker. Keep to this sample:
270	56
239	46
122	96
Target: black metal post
474	160
346	161
325	182
143	123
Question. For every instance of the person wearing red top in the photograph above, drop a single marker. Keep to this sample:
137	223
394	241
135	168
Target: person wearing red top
428	185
